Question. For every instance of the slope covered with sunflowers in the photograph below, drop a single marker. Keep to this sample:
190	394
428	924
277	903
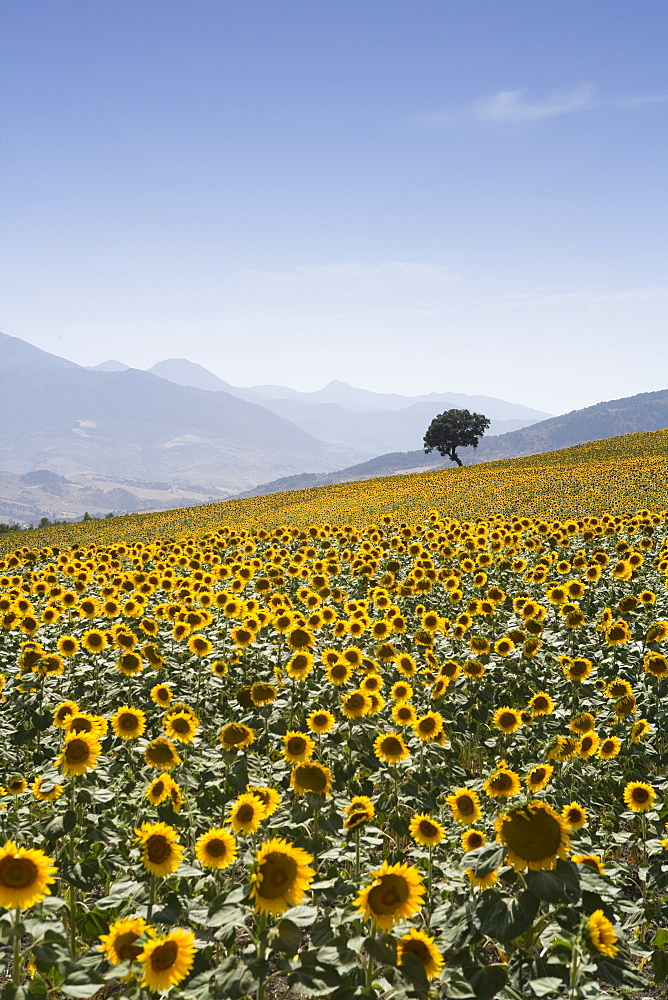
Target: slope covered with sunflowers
390	738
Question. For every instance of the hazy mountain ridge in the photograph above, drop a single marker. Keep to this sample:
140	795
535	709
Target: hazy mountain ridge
644	412
348	417
60	416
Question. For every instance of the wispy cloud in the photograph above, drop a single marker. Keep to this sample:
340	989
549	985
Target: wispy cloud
516	107
512	106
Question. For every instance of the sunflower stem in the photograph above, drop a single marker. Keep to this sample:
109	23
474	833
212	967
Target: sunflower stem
73	921
261	949
151	896
16	970
370	968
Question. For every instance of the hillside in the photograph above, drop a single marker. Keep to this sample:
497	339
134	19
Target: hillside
614	476
645	412
71	420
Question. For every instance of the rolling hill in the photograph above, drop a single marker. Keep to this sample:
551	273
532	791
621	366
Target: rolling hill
647	411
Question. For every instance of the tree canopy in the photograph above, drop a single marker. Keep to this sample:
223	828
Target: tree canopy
455	429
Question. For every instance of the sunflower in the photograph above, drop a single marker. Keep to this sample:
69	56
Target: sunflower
46	790
656	665
300	665
638	796
588	744
79	753
535	836
394	894
311	777
538	777
473	839
355	704
419	943
161	694
639	729
181	726
199	645
67	645
269	797
160	789
426	831
246	813
25	876
167	960
219	668
541	704
618	634
128	723
406	665
574	816
263	694
360	811
119	945
465	806
130	664
63	712
297	747
428	727
577	670
281	876
94	641
601	934
390	747
609	748
84	723
216	849
403	714
618	688
16	786
582	723
474	669
507	719
590	860
502	783
339	673
161	753
482	881
161	854
563	748
320	721
235	736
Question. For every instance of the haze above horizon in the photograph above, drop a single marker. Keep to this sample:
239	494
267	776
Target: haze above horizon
407	197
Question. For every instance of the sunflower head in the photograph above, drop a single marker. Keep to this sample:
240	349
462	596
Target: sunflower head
465	806
167	960
420	944
601	934
393	894
535	836
390	747
639	796
120	944
25	876
216	849
311	777
426	831
281	876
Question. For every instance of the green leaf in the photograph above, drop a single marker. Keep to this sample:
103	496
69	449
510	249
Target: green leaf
505	919
660	965
562	885
302	916
546	985
488	981
286	936
487	859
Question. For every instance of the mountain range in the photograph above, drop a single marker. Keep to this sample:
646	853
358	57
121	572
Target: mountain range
121	438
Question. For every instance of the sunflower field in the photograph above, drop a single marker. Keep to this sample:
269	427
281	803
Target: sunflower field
365	741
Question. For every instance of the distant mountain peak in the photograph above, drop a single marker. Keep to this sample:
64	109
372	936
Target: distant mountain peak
110	366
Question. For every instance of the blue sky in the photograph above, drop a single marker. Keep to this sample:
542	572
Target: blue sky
406	194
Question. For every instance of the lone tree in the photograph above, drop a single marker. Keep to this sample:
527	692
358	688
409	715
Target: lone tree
455	429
